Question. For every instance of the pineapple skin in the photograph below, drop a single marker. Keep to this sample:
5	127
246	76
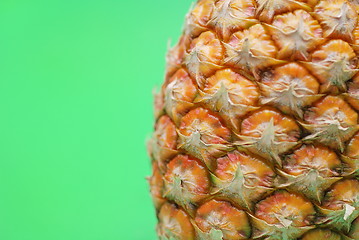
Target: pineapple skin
256	133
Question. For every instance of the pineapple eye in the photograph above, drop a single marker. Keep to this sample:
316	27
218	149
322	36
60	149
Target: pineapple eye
284	205
203	135
174	223
331	64
258	122
222	216
176	55
337	17
334	119
251	50
259	40
156	185
185	181
267	9
163	145
181	87
340	204
309	158
297	34
179	93
268	133
353	93
352	149
198	18
166	133
242	178
342	193
321	234
204	56
289	87
226	14
311	170
230	94
283	215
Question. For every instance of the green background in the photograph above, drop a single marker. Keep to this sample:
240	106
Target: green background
76	80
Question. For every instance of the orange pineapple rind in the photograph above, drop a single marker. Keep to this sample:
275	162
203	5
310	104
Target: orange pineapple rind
352	96
166	134
268	8
296	33
341	205
216	219
202	135
333	64
338	18
260	42
175	55
310	170
186	182
231	15
268	133
321	234
352	149
230	94
203	57
156	186
290	88
283	215
331	121
351	156
198	17
355	44
179	95
163	144
174	223
251	51
242	178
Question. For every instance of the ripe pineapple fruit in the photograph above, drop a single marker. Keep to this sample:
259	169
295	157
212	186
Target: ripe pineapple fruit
256	133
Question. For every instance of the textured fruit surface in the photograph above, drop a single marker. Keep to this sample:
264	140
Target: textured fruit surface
256	133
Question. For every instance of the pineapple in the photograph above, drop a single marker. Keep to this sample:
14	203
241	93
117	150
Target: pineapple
256	133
